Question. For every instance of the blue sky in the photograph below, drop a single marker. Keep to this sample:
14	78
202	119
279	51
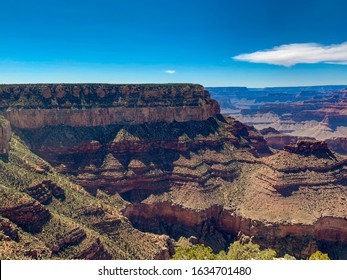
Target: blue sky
211	42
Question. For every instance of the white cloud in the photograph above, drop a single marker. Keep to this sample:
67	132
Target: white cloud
170	71
289	55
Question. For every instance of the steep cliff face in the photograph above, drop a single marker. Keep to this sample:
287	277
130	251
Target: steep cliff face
30	106
208	179
338	144
5	136
278	140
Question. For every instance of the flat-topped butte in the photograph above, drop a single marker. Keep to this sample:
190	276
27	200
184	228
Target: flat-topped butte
41	105
46	96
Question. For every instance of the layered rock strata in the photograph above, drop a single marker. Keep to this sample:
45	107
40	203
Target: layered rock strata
149	157
278	140
292	202
188	174
35	106
338	144
45	215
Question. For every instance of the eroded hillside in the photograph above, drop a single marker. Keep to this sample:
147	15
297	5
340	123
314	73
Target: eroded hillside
45	215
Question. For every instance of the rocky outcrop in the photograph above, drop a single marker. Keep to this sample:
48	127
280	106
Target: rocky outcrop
286	172
72	237
308	147
23	211
96	251
254	138
338	144
30	216
44	191
5	136
278	140
8	231
29	107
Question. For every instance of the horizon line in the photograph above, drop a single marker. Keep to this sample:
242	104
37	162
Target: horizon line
177	83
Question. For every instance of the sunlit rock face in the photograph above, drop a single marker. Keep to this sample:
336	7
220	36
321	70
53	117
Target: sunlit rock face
36	106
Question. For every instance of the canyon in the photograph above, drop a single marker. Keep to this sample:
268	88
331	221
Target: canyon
317	112
127	170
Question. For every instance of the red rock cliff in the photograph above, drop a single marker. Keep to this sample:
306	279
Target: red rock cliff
35	106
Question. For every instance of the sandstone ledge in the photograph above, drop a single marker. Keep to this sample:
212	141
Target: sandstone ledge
34	118
35	106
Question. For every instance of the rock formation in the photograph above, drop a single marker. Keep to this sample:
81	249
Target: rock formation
5	136
278	140
307	147
29	107
338	144
315	112
44	215
174	167
292	202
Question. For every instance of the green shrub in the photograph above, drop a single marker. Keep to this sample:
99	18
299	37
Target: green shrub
237	251
249	251
289	257
195	252
318	255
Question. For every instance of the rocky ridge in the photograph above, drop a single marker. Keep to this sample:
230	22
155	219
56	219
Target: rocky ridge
88	105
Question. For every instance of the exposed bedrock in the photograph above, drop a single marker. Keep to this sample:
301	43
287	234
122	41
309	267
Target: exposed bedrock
294	202
35	106
23	210
338	144
332	114
278	140
151	156
5	136
300	240
308	147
